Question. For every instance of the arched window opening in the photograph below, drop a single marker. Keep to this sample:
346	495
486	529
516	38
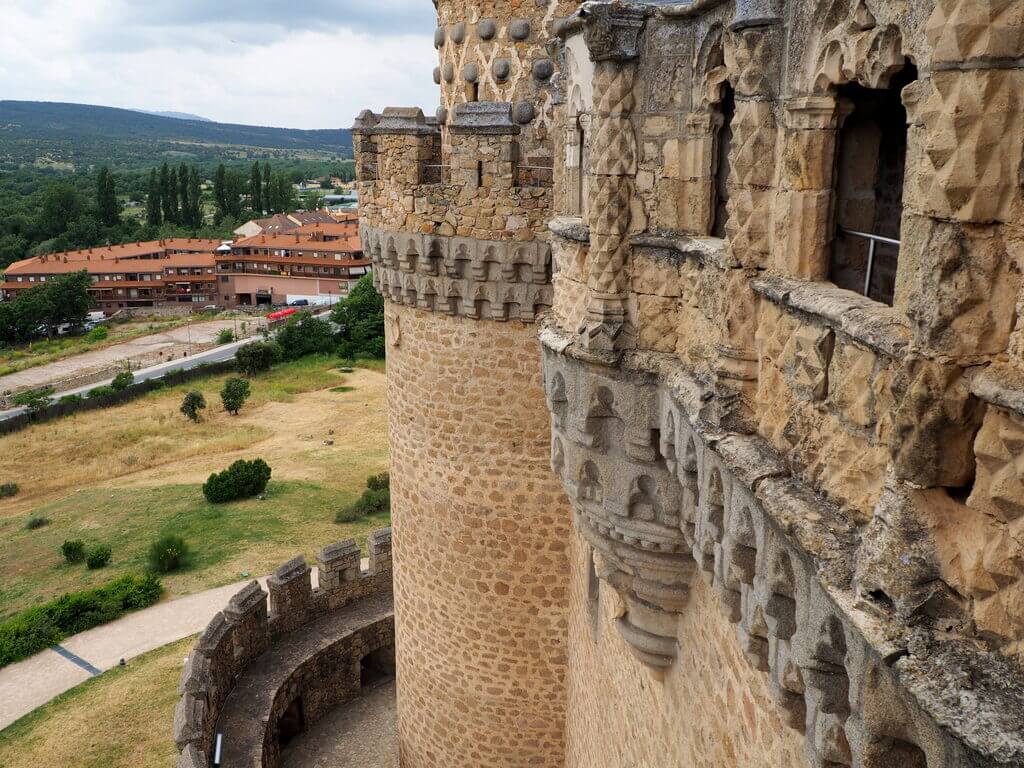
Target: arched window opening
720	173
870	163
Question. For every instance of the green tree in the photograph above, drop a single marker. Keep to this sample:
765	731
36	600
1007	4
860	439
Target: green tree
195	198
168	196
266	186
154	215
256	189
311	200
172	189
360	317
192	404
220	192
305	335
61	206
256	357
234	394
106	198
184	204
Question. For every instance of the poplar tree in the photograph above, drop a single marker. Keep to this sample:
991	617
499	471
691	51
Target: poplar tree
172	191
166	200
256	189
154	218
185	205
266	187
220	192
106	198
195	196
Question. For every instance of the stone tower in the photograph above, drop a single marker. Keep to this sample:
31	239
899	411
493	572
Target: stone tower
454	211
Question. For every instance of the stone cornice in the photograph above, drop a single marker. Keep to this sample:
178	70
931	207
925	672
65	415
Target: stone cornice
660	493
480	279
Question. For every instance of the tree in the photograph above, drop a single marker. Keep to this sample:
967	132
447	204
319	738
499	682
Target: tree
360	316
305	335
106	198
239	481
154	215
185	204
234	395
168	195
122	381
220	193
192	404
256	357
68	299
256	189
311	200
195	196
172	190
61	206
266	186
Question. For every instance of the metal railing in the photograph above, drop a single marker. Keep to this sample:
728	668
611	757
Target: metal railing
872	242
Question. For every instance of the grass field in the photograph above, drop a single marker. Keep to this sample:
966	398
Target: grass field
123	476
121	719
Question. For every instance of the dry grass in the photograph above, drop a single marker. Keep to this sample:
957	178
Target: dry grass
125	475
121	719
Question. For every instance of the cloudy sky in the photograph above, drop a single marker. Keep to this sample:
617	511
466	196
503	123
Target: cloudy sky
296	64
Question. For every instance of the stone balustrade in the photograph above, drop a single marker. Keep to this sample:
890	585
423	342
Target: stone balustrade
308	644
662	493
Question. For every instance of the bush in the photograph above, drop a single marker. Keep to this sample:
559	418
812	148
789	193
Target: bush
73	550
192	404
376	500
35	522
8	489
101	391
225	336
257	357
305	335
168	553
70	399
122	381
98	557
241	480
99	333
39	627
34	400
360	316
234	394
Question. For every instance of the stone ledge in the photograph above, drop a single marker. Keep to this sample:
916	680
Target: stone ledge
708	250
246	629
395	120
875	325
649	479
483	118
570	228
1002	385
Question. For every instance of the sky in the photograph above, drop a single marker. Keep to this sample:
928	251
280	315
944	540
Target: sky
297	64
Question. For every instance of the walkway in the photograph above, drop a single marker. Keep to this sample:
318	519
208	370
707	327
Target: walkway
33	682
358	734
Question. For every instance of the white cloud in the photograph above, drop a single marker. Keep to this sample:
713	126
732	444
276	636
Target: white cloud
266	66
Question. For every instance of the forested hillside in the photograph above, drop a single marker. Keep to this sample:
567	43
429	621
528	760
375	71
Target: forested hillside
78	136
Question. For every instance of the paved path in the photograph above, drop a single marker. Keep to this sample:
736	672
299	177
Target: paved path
96	360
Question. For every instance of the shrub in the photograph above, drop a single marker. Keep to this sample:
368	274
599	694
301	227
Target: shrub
70	399
225	336
8	489
376	500
35	522
73	550
39	627
99	333
192	404
257	357
241	480
360	316
234	394
156	384
100	391
122	381
168	553
98	557
305	335
35	399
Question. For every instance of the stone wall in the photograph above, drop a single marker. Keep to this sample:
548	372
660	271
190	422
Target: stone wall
245	630
480	530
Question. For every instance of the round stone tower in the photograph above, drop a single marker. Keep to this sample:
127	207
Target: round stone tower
454	211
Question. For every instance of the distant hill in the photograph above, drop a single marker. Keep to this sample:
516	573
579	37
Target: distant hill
78	135
176	115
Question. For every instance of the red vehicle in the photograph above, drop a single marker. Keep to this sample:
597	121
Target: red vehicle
281	314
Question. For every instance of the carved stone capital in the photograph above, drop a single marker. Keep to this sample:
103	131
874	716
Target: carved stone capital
612	30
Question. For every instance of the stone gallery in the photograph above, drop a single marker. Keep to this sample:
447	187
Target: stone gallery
706	384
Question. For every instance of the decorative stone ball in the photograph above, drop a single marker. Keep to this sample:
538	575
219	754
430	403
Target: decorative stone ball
523	112
519	29
437	75
471	72
439	37
459	32
502	68
543	69
448	72
486	29
442	116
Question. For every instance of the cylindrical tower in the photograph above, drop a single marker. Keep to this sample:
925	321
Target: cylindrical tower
454	212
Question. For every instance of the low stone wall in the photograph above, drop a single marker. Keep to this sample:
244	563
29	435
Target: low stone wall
245	630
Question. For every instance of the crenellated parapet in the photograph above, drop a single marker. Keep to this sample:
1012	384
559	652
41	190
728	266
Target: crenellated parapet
460	276
308	646
662	494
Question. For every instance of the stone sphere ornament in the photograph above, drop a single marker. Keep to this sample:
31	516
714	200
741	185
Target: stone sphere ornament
523	112
471	72
437	75
448	73
543	69
486	29
442	116
459	32
501	68
439	36
519	29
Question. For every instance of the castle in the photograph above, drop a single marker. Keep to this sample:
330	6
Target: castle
706	384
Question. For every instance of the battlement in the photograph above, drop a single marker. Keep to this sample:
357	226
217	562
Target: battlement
344	616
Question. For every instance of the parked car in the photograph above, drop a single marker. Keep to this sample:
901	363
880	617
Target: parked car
300	303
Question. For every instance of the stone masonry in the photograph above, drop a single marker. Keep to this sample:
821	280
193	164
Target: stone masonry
773	252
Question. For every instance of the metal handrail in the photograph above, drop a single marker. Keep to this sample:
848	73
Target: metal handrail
872	239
